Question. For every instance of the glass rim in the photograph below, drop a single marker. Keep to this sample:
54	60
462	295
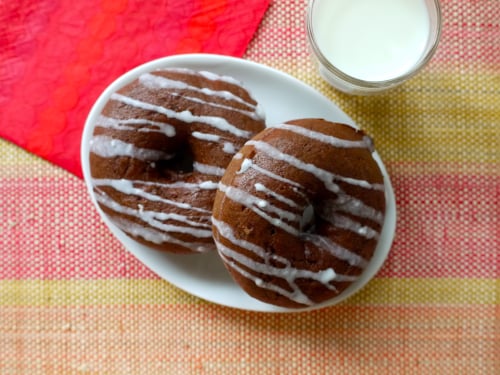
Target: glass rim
362	82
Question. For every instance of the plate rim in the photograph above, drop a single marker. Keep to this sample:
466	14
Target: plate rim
388	229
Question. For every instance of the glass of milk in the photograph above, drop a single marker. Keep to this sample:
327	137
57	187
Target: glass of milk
366	46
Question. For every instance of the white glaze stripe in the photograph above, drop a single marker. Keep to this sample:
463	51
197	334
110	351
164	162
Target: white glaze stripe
275	176
158	82
208	169
324	243
262	188
157	237
153	218
252	203
326	177
208	75
343	203
344	222
296	295
204	185
186	116
113	123
252	114
351	205
287	272
127	187
206	136
227	147
328	139
248	200
216	77
108	147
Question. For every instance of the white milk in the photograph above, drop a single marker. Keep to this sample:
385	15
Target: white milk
372	40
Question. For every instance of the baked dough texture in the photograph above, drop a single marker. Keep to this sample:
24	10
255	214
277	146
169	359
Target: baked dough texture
159	149
299	212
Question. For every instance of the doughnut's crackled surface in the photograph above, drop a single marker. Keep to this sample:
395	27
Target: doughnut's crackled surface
298	214
159	149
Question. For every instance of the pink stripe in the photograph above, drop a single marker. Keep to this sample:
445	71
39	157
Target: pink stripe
448	226
51	230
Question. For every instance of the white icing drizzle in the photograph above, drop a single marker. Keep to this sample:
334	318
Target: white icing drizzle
344	222
154	219
344	203
229	148
330	211
253	114
277	177
262	188
286	272
157	237
204	185
296	295
206	136
108	147
208	185
238	155
326	177
127	187
262	208
348	204
324	243
215	77
208	75
158	82
208	169
365	142
185	116
113	123
259	110
245	164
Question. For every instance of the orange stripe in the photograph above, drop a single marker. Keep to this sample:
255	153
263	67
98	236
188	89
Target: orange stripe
117	292
207	338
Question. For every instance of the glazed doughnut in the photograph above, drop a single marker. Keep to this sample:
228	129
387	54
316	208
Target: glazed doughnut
299	211
159	149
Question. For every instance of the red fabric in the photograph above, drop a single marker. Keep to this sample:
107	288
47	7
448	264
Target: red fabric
56	57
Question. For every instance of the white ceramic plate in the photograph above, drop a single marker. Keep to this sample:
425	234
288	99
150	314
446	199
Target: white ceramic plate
283	98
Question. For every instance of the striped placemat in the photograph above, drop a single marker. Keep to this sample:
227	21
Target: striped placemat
73	301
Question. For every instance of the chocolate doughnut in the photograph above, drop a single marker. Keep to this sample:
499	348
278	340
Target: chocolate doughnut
159	149
299	211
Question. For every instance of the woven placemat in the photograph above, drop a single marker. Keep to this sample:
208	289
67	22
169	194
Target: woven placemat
73	301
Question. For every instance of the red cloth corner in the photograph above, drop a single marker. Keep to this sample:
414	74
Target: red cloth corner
57	56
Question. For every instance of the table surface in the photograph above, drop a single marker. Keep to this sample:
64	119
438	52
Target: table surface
72	300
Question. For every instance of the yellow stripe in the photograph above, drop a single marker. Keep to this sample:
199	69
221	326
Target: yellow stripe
90	292
18	163
432	118
380	291
10	153
441	115
426	169
429	291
